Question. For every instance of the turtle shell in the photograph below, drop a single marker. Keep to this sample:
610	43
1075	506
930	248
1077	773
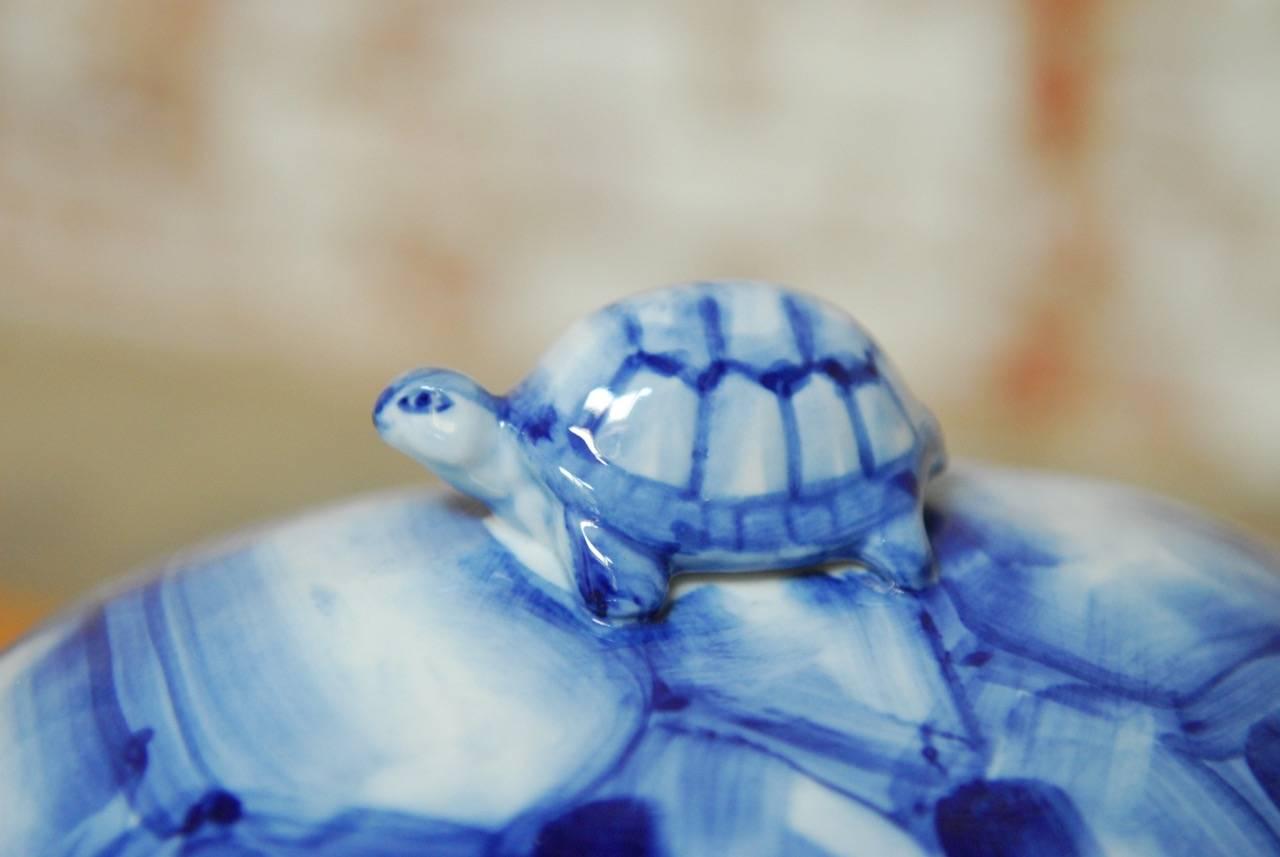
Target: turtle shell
723	392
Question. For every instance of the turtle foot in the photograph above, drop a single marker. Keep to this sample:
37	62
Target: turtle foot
900	553
618	581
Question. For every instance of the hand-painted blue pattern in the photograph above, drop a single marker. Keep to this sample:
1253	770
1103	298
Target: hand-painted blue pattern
1096	674
703	378
814	513
714	427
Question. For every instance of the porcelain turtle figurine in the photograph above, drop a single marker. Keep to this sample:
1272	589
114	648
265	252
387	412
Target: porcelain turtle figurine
709	427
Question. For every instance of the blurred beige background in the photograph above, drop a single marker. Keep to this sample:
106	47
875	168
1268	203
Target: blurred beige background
223	225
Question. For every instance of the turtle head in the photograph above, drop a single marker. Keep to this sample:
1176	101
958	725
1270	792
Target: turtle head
446	421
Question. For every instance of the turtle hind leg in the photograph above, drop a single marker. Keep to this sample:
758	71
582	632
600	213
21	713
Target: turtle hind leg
617	579
899	552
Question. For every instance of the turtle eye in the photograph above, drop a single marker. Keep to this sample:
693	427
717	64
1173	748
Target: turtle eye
424	401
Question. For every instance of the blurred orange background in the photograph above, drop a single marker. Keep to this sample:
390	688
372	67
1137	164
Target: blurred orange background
224	225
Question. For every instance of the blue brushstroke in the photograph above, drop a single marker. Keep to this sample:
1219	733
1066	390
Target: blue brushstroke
1262	752
444	699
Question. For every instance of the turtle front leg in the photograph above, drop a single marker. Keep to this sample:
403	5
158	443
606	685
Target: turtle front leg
618	579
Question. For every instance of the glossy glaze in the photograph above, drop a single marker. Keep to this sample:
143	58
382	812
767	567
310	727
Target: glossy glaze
1096	673
712	427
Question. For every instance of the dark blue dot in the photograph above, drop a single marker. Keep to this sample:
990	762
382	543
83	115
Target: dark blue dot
976	659
1011	818
410	403
538	428
424	401
217	806
665	699
620	827
224	808
134	754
